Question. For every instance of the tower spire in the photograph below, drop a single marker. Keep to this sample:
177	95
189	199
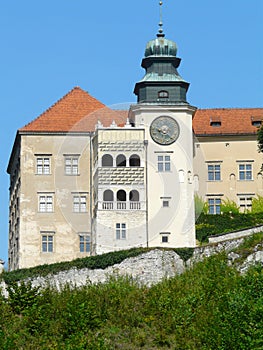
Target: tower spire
160	33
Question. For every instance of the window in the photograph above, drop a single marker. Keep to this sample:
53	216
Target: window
214	205
163	94
121	160
43	165
71	165
47	242
120	231
84	243
245	202
79	203
164	163
107	160
121	199
134	160
45	204
214	172
165	204
165	237
245	171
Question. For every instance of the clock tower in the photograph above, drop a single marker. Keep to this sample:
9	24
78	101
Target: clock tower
163	112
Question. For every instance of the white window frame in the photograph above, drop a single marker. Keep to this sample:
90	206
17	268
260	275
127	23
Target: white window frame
47	242
214	205
246	169
80	203
245	201
43	164
84	242
45	203
71	164
163	163
121	231
214	171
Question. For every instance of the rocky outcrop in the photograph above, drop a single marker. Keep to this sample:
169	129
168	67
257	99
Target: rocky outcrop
151	267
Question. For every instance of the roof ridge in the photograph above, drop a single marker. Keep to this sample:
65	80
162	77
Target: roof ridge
75	88
229	108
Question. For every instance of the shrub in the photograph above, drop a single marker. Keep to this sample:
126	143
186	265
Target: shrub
257	204
229	207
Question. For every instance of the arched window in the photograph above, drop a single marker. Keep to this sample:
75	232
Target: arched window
134	196
134	160
121	199
108	196
163	94
107	160
121	196
121	160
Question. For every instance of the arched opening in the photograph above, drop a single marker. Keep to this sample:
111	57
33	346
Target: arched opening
107	160
134	160
163	94
121	199
121	160
107	200
134	198
108	196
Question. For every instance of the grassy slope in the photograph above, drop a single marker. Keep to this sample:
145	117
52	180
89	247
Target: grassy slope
209	307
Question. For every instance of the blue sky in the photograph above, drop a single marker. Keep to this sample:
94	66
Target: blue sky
48	47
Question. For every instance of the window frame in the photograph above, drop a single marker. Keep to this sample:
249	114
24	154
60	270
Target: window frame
163	163
45	202
120	231
85	242
40	160
215	207
80	201
71	165
213	173
247	173
48	243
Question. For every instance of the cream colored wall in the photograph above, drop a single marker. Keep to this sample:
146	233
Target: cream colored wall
62	221
228	150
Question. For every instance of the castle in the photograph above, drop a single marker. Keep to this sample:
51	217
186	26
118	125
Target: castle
86	179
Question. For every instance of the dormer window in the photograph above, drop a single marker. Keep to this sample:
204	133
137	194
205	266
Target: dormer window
163	94
215	121
256	121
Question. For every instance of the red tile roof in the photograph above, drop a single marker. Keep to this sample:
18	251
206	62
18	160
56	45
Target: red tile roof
76	111
224	121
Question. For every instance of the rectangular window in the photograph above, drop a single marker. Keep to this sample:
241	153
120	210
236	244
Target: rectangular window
48	242
84	243
245	171
164	163
120	231
79	203
214	205
165	203
214	172
245	202
43	165
71	165
45	203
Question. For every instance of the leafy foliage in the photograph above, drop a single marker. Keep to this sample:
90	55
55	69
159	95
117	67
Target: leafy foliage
257	204
260	139
229	207
210	306
200	206
208	225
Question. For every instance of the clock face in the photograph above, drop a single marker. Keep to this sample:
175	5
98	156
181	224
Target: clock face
164	130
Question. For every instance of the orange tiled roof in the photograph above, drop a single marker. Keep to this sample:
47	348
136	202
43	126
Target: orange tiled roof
80	112
76	111
224	121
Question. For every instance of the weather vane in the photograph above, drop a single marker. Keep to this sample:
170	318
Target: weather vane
160	31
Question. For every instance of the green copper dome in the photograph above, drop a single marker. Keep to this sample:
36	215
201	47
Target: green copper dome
160	47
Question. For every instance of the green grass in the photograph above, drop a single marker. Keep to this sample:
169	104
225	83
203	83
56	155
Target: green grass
211	306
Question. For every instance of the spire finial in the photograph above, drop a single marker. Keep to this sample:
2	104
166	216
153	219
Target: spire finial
160	31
